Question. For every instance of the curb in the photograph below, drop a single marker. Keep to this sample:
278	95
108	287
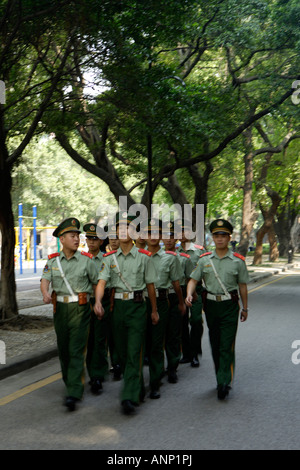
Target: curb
21	363
255	277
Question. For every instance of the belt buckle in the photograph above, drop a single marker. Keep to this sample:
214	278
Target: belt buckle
66	299
218	298
125	295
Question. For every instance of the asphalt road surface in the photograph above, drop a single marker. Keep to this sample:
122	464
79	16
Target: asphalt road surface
261	412
28	279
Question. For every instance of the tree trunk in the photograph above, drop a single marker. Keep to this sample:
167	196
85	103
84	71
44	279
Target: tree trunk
259	245
8	302
268	221
285	220
249	214
273	253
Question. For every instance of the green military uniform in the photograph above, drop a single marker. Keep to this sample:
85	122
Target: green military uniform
71	320
172	344
168	270
173	327
107	305
222	311
192	337
97	349
129	316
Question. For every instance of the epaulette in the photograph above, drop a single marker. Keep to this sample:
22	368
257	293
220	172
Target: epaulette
171	253
89	255
185	254
53	255
200	247
240	256
146	252
109	253
205	254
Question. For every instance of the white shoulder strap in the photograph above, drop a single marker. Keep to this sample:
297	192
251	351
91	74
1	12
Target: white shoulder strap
218	278
64	277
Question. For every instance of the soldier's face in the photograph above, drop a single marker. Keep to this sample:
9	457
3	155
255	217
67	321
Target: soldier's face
153	239
114	243
70	240
170	243
186	235
123	233
93	244
221	240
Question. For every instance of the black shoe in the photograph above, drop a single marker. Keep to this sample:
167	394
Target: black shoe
195	362
71	403
117	372
96	386
184	360
128	407
154	394
223	391
172	377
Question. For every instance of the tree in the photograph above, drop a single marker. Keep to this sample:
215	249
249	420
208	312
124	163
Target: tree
28	31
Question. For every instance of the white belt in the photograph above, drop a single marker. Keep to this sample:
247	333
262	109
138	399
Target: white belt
156	292
67	298
124	295
218	298
172	290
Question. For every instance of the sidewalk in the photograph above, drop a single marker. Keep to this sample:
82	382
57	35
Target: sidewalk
26	349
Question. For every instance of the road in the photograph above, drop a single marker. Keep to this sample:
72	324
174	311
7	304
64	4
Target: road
262	410
28	279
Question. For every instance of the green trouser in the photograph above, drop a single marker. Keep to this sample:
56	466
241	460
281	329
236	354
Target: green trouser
114	360
156	342
71	323
222	322
173	333
96	357
191	338
129	321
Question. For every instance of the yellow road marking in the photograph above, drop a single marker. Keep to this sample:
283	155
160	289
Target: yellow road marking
266	284
30	388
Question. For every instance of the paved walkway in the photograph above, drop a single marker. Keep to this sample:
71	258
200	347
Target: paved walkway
26	349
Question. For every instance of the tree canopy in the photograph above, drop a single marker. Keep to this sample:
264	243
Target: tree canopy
185	100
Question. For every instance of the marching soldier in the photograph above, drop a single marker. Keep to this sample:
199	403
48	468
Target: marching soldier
96	357
191	336
224	273
73	276
129	270
168	273
176	313
113	244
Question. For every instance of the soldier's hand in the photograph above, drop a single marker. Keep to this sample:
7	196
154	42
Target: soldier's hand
154	318
244	315
99	310
47	299
189	301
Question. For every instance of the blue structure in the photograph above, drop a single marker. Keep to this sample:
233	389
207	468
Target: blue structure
34	217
